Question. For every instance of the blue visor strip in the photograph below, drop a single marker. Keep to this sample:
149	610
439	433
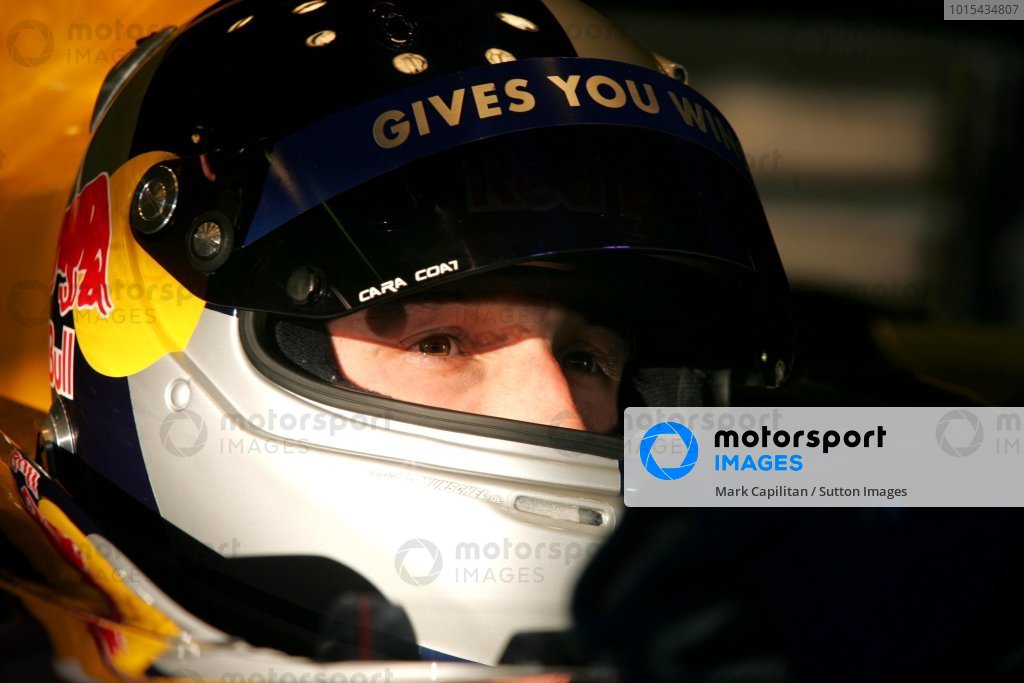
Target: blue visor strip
348	148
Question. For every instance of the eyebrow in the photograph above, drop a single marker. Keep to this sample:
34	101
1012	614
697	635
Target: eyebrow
389	318
388	315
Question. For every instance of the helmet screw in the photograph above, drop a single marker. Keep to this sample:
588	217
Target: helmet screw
304	285
179	393
210	240
207	240
155	200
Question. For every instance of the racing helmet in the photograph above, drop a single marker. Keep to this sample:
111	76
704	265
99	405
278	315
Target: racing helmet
275	165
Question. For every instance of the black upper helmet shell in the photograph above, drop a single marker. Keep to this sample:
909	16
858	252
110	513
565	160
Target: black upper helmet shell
326	156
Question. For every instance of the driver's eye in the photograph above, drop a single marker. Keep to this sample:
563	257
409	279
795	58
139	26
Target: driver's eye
580	361
436	345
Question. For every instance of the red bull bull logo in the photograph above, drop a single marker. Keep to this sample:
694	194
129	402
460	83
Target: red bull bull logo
84	251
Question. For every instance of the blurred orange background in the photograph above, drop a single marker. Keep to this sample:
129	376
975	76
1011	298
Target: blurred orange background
54	56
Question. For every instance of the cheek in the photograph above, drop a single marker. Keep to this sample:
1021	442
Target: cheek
598	403
363	363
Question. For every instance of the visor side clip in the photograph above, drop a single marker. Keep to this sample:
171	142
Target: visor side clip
305	285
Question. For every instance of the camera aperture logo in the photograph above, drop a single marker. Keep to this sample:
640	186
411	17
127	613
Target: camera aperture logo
956	446
30	42
672	430
183	433
412	557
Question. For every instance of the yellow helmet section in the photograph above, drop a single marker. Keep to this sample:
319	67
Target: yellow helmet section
150	314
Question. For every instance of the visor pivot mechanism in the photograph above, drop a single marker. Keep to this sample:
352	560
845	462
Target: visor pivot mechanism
305	285
210	241
154	200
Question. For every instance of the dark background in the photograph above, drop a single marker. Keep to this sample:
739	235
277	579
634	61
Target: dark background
886	144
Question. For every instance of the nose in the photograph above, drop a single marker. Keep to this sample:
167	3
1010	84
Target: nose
532	387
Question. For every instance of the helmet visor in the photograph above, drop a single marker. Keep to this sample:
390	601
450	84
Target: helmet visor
519	197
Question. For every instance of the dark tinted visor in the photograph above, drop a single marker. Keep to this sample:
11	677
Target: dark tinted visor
519	197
